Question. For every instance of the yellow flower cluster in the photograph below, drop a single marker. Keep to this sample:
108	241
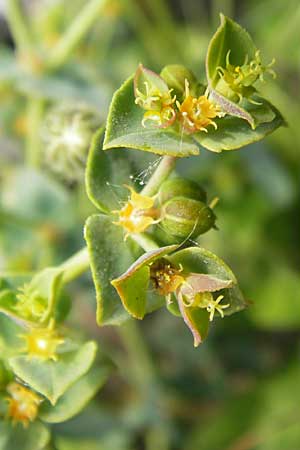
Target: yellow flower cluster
137	214
162	108
42	343
167	280
23	404
237	82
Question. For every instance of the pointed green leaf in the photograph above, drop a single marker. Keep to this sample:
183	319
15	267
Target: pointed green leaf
53	378
230	36
124	129
132	286
76	397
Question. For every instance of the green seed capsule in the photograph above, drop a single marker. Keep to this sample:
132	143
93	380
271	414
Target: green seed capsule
184	217
179	187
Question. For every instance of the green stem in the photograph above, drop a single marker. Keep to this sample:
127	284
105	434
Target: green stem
144	241
33	145
18	26
161	173
74	34
76	265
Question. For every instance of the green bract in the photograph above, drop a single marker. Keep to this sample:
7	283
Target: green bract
213	119
180	276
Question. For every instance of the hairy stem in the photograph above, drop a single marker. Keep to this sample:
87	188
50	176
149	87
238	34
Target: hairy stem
74	34
76	265
161	173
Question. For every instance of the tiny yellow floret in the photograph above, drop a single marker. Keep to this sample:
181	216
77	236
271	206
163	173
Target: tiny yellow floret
166	279
206	300
137	214
23	404
159	105
42	342
197	113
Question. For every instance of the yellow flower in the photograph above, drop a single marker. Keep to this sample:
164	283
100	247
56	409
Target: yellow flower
42	342
166	278
192	290
206	300
196	114
23	404
237	82
153	95
137	214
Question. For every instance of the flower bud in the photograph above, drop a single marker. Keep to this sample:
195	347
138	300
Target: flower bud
67	134
179	187
185	217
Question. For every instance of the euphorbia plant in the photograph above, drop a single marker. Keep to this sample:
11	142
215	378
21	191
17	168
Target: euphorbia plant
173	115
141	245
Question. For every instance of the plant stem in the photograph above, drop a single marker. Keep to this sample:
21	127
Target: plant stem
161	173
144	241
74	34
33	145
18	26
76	265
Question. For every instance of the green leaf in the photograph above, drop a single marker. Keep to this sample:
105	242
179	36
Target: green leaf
103	170
35	437
124	129
132	286
53	378
200	260
109	256
230	36
233	133
10	342
76	397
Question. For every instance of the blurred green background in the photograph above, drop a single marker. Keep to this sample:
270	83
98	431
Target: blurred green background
239	390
